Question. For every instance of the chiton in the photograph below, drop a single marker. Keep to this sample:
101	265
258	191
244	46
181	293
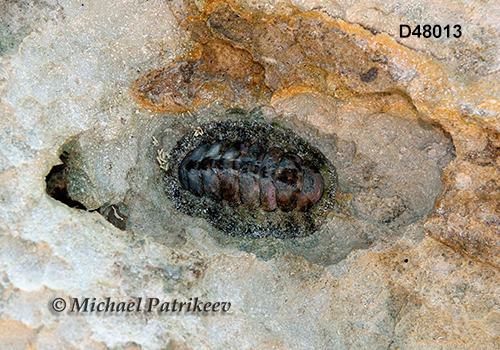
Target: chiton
252	179
251	175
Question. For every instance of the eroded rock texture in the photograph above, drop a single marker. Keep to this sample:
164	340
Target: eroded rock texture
95	96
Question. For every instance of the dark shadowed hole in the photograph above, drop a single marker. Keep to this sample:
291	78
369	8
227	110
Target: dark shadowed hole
370	75
58	182
113	214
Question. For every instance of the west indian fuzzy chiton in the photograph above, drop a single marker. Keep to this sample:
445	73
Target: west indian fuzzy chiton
251	179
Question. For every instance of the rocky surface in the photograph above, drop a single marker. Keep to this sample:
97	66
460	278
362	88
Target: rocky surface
97	94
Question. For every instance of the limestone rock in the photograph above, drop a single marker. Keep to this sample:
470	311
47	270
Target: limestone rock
94	95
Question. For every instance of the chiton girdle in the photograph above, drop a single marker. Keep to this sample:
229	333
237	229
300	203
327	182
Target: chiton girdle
251	179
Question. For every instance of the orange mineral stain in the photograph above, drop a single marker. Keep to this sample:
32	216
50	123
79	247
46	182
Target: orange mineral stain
246	57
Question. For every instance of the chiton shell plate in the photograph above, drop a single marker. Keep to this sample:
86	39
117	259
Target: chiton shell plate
251	179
